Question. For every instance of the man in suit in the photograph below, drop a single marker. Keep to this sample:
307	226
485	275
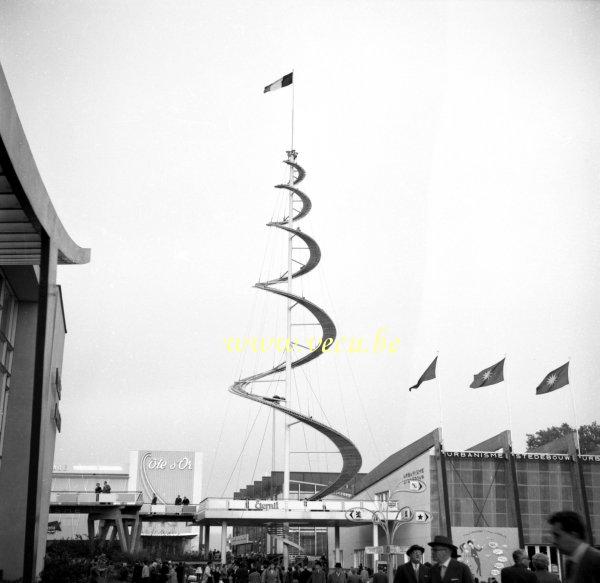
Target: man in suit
413	571
338	575
540	563
381	575
519	572
568	532
447	569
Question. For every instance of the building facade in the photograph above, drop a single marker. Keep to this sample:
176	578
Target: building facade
33	242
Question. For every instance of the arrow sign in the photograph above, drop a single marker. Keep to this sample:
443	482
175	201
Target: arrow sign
422	516
416	486
358	514
413	486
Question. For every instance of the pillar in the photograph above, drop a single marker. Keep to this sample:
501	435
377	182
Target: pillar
224	542
375	544
206	540
336	543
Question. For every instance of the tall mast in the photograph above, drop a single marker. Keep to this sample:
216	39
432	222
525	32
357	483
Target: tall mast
288	354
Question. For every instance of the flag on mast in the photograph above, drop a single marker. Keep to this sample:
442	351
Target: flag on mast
428	375
489	376
555	379
283	82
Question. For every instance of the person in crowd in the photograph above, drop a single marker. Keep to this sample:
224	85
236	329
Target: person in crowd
413	571
254	575
180	570
154	499
185	501
353	576
447	568
207	576
145	572
106	488
178	500
94	572
363	574
338	575
317	575
271	574
304	574
242	575
568	532
519	572
540	563
136	576
381	575
164	572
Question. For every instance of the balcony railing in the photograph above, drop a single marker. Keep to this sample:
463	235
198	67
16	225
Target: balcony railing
91	498
184	509
294	505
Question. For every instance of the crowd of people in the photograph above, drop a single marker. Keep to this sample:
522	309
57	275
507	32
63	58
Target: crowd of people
568	531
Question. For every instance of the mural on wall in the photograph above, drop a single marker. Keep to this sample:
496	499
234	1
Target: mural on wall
485	550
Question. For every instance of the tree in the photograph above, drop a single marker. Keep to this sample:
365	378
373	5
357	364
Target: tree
589	436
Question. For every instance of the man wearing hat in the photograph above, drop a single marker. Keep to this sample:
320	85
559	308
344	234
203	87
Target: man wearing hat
338	575
413	571
447	568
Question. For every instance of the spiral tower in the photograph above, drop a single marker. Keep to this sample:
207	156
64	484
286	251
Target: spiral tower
351	458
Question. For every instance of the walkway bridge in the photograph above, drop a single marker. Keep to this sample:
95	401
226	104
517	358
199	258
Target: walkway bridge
120	514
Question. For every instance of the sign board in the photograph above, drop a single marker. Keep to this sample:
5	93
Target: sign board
421	516
359	515
373	550
240	539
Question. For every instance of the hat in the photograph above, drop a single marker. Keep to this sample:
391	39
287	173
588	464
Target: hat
415	548
442	541
338	565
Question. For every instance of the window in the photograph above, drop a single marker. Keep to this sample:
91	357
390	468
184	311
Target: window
382	496
8	320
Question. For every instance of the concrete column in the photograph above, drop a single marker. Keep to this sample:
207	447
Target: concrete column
375	544
224	543
42	436
336	544
207	539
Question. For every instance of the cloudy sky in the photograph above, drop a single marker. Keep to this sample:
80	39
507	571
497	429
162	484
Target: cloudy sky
452	152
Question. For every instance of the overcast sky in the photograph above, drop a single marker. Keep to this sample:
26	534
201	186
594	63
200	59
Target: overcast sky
452	152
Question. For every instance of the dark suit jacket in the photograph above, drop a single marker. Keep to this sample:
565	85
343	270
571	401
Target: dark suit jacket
588	569
517	574
456	572
406	574
546	577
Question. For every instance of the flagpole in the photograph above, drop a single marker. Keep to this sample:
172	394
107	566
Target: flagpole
507	395
293	91
439	390
573	404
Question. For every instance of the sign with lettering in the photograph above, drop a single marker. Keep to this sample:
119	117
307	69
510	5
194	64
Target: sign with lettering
590	458
476	454
166	475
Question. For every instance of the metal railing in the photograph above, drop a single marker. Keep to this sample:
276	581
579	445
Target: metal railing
91	498
294	505
183	509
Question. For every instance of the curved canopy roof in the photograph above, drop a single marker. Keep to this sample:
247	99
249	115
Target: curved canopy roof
26	212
